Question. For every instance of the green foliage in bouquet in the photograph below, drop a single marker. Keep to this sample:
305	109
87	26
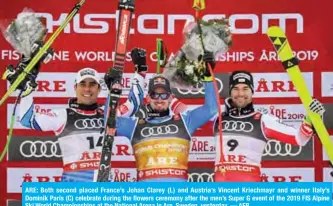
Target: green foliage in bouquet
190	72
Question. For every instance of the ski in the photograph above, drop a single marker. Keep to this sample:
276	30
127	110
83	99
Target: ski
41	52
290	63
126	9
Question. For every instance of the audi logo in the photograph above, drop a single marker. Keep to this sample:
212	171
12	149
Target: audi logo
275	148
40	149
201	177
237	126
200	90
93	123
159	130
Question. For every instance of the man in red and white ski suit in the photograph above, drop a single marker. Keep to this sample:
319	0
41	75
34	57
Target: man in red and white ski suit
246	133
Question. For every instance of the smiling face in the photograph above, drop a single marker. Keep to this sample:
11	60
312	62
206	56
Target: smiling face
159	99
241	95
87	91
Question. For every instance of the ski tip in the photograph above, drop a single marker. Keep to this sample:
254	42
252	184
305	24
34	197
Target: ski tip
276	36
4	75
275	31
2	101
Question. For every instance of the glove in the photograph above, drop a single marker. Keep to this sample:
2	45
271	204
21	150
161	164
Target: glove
316	107
138	56
112	76
209	59
28	85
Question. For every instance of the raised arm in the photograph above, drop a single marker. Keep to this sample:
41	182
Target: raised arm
199	116
52	120
273	128
135	96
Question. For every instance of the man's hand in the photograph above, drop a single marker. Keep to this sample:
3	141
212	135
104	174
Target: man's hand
28	85
316	107
138	56
209	60
113	76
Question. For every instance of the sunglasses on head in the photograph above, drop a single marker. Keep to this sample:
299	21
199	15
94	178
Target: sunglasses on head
163	96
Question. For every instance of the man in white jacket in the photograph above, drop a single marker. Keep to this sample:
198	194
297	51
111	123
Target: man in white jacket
78	127
246	132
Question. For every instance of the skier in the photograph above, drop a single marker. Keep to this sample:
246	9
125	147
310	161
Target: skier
161	141
78	127
246	132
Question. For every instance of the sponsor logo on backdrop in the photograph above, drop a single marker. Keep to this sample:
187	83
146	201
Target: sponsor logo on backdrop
222	82
268	175
88	23
109	56
266	85
48	84
202	149
278	84
276	150
291	114
285	112
25	148
123	175
327	84
15	177
200	90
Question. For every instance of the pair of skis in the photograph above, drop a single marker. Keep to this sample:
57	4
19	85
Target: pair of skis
126	9
290	63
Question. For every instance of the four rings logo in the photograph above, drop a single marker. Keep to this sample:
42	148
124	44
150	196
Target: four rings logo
40	149
201	177
94	123
159	130
237	126
275	148
199	90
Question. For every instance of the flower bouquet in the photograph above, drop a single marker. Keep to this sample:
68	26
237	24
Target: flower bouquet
186	70
24	31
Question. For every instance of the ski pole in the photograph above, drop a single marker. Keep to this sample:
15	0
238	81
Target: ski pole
200	5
